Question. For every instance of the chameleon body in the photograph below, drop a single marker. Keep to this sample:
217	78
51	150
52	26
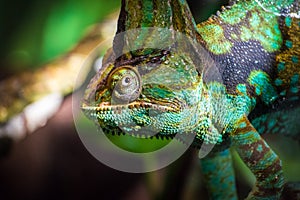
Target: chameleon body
254	84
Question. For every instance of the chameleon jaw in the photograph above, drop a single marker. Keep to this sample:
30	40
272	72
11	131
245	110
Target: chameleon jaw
106	106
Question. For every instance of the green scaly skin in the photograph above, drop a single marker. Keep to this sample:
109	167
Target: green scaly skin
255	48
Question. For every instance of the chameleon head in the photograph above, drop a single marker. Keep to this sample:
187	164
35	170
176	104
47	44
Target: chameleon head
160	96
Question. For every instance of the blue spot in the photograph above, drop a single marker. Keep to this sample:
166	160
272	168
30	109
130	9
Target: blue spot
258	90
275	45
259	123
280	66
261	129
263	118
294	90
269	33
295	79
295	59
289	44
242	88
243	125
271	123
278	82
276	129
182	2
277	29
288	21
283	93
259	148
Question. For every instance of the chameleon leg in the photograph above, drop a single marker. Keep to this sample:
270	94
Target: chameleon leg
219	175
262	161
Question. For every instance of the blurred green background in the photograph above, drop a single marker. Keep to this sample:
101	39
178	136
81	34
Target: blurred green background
33	32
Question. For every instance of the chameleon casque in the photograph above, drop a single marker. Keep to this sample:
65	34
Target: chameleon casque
254	46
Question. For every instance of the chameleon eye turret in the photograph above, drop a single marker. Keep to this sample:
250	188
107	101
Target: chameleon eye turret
125	84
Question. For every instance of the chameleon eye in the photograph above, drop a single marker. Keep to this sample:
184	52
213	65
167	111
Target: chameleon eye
126	85
126	81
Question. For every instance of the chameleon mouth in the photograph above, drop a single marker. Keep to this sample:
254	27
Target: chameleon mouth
116	131
107	106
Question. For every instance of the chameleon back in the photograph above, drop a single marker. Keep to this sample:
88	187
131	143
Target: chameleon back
258	50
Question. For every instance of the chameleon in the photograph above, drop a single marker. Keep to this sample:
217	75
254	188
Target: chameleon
249	85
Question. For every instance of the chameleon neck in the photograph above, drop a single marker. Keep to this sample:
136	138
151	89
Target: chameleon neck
139	15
